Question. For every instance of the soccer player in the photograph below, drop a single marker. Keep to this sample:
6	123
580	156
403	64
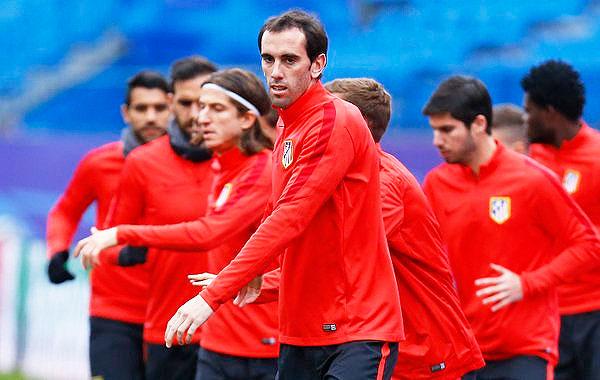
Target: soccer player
513	234
439	341
236	343
509	127
168	181
325	225
562	141
118	296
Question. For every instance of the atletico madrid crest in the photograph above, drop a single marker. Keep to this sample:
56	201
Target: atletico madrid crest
223	196
500	209
571	181
288	154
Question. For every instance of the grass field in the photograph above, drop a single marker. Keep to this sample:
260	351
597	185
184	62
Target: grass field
12	376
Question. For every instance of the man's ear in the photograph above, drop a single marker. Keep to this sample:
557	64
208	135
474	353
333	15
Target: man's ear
170	101
124	113
317	66
479	125
247	120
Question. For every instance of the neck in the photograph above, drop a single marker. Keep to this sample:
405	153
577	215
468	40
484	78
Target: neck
567	131
483	153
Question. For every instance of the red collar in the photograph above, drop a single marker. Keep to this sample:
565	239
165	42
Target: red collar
578	139
229	159
316	94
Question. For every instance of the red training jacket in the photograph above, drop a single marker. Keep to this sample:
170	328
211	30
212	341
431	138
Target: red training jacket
117	293
336	272
577	163
439	341
160	187
515	214
241	188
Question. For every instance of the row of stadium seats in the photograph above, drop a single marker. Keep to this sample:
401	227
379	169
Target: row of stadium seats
408	45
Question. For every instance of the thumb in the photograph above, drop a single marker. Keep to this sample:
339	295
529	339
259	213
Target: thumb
498	268
93	230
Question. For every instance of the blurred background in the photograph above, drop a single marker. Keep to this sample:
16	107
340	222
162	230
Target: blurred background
62	79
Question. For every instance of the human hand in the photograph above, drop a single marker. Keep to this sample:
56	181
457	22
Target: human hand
89	248
501	290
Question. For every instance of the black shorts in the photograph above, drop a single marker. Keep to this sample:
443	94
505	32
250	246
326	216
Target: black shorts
579	347
360	360
517	368
116	350
175	363
215	366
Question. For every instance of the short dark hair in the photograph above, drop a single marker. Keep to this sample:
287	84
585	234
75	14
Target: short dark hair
557	84
190	68
373	101
145	79
248	86
464	98
314	32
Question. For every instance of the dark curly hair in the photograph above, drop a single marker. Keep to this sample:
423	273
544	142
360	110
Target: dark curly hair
557	84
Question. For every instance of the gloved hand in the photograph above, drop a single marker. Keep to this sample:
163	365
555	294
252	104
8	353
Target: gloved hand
129	256
57	271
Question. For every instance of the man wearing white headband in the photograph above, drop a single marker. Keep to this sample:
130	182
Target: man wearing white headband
323	224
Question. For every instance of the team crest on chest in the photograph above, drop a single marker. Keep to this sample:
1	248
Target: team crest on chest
223	196
288	154
500	209
571	181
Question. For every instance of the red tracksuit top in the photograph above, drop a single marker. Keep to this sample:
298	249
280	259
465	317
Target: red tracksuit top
241	188
160	187
116	293
336	272
515	214
577	163
439	341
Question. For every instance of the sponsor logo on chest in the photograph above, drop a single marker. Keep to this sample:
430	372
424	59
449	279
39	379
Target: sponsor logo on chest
500	209
288	153
571	180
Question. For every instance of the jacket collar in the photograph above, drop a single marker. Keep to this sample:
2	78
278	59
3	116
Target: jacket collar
316	94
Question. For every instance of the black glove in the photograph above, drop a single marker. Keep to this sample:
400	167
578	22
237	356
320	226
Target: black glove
57	271
129	256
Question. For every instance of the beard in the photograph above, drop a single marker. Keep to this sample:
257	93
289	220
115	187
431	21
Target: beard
537	134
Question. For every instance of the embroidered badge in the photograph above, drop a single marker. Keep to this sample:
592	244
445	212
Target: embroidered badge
571	181
500	209
288	154
223	196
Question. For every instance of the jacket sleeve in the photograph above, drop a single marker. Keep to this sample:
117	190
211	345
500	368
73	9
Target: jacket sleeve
269	291
322	162
577	241
392	207
66	214
128	205
243	208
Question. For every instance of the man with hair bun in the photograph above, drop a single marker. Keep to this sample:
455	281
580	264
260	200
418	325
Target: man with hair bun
562	141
